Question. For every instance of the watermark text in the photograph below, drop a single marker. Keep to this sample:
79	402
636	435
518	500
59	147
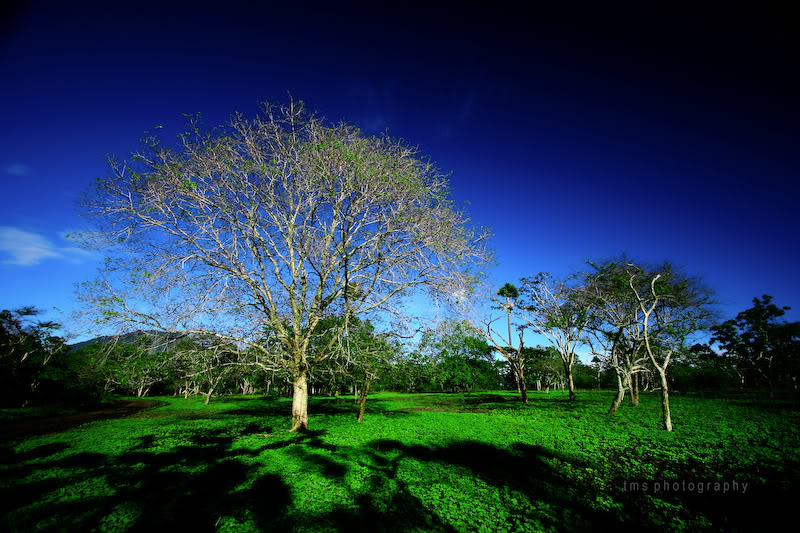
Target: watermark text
682	485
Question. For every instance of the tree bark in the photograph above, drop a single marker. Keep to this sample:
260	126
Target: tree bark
362	404
570	382
634	381
619	397
523	388
208	396
300	401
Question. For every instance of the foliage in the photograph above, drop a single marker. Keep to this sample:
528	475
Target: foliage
461	360
757	341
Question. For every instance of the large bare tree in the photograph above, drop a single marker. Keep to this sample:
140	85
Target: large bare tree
275	223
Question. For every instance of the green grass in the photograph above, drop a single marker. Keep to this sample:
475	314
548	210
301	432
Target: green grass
433	462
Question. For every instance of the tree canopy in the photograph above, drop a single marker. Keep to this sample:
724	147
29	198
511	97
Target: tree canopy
275	222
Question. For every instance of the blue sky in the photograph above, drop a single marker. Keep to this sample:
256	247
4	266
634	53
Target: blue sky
574	135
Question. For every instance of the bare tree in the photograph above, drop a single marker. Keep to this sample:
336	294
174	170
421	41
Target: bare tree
616	330
275	222
559	312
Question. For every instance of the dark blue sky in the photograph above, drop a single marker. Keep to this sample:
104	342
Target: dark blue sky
574	135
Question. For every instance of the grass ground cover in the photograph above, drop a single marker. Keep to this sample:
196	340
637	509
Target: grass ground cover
427	462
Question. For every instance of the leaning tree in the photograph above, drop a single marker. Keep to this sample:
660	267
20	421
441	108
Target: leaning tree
275	223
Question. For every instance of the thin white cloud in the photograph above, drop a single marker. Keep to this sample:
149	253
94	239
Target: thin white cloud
18	169
26	248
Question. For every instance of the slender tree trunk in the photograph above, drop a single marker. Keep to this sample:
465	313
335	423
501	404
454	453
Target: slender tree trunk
185	390
208	396
362	405
300	401
769	381
619	397
665	416
523	389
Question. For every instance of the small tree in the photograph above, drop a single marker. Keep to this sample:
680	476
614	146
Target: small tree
276	222
134	367
672	308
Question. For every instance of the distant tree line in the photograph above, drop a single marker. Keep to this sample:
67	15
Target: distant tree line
754	350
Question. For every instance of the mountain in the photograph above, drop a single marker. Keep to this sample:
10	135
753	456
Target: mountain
157	341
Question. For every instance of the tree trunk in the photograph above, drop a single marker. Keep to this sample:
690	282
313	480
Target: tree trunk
634	381
769	381
619	397
665	416
300	401
208	396
523	389
362	405
186	390
570	382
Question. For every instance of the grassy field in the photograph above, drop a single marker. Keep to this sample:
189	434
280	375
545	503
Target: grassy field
469	462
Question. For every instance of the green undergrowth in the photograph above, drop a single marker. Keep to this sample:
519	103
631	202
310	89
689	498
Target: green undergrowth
419	462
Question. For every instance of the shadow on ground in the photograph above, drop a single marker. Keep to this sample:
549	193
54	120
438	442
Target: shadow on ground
209	481
192	487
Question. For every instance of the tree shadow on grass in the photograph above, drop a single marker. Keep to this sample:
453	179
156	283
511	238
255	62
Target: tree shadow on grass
529	470
192	486
188	487
155	486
